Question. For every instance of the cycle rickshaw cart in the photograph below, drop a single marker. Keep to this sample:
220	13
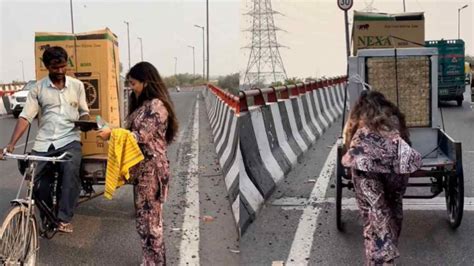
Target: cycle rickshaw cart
21	226
409	78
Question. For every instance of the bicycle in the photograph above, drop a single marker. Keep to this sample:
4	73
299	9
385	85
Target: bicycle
19	231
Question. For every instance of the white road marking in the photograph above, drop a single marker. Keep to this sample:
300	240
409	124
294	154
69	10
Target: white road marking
435	204
304	236
189	247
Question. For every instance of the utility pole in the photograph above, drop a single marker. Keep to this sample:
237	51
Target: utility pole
128	38
203	48
207	30
459	20
404	6
74	35
175	66
141	46
194	62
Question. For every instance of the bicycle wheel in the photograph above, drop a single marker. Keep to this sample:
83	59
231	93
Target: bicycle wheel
18	238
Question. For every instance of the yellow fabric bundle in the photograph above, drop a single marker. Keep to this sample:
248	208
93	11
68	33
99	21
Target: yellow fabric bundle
123	153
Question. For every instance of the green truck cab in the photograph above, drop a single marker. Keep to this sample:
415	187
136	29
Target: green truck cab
451	74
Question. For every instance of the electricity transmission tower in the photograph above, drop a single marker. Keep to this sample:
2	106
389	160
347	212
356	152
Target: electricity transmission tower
264	63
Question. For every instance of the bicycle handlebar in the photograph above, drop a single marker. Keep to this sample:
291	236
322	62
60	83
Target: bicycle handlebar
61	158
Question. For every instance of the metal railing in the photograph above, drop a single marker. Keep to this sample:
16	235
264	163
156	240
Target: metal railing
231	100
260	97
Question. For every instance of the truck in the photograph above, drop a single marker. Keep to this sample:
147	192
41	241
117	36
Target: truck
451	84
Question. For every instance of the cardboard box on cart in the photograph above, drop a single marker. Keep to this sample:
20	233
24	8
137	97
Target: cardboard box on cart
375	30
97	59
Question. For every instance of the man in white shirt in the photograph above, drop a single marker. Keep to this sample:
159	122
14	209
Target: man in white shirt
59	100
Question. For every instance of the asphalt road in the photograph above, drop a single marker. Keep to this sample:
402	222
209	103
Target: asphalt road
105	231
289	231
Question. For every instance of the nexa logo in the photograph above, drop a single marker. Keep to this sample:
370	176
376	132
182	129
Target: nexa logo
368	41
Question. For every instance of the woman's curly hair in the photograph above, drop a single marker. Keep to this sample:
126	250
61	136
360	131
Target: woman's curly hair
373	110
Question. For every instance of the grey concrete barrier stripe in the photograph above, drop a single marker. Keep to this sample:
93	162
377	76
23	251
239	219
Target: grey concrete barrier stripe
214	111
212	106
231	146
215	126
249	193
313	114
222	143
232	181
282	136
334	101
304	121
236	210
3	110
309	121
286	123
272	139
324	108
299	124
247	214
215	119
340	98
226	117
269	161
329	105
255	168
219	118
317	110
210	100
337	99
293	127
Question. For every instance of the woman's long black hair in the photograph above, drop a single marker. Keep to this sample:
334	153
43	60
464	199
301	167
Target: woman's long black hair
154	88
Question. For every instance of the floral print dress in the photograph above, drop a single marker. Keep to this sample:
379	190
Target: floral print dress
151	176
380	165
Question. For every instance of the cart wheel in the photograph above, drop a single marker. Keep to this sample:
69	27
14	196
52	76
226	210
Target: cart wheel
339	185
455	198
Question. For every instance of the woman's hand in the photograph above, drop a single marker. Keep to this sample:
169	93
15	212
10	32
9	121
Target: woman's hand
104	133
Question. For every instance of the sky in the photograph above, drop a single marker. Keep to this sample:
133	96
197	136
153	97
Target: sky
314	30
166	27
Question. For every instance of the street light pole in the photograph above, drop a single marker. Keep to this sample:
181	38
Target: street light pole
194	62
22	69
459	20
207	31
203	53
404	6
74	35
175	66
141	46
128	38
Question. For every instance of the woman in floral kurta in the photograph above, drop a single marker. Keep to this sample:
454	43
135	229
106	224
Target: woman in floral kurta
153	123
381	159
148	124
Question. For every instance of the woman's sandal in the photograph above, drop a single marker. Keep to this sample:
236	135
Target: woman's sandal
65	227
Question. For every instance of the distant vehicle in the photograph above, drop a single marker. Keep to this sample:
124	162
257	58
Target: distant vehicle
178	89
18	99
468	70
451	84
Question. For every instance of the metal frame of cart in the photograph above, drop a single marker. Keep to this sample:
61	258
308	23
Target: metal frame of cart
442	156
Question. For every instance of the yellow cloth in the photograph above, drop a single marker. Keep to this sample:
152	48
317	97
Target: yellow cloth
123	153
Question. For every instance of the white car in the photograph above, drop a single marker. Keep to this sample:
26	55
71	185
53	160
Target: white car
18	99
